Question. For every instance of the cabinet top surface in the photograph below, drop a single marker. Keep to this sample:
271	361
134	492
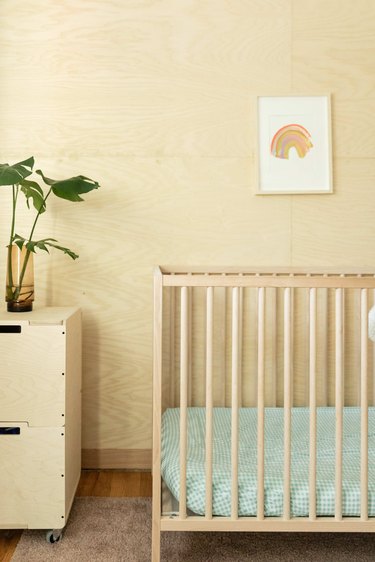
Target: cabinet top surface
45	315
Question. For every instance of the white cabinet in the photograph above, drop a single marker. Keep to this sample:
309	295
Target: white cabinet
40	416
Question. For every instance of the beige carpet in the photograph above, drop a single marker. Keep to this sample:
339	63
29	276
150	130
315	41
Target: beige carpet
119	529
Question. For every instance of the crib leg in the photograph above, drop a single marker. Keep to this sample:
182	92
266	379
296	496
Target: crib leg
155	540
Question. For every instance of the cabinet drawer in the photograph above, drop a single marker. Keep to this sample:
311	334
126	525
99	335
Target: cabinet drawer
32	477
32	373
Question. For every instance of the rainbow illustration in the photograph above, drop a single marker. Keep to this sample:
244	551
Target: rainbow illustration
291	136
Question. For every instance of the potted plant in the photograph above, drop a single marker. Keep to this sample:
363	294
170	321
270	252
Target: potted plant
20	282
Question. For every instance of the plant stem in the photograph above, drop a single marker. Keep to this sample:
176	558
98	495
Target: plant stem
38	213
15	190
10	272
27	256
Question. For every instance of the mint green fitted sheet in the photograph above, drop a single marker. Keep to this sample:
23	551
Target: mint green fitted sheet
274	460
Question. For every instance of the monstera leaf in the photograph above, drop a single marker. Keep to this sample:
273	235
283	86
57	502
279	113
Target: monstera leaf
12	175
71	188
43	244
33	191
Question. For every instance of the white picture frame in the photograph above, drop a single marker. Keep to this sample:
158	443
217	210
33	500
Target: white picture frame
294	154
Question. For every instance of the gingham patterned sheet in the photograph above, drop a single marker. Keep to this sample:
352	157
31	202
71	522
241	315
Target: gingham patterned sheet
274	461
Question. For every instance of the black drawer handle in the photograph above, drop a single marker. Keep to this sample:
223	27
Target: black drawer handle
11	329
10	430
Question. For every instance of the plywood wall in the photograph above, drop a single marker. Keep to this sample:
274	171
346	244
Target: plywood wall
155	100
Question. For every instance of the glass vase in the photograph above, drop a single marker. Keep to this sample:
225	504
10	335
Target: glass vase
19	280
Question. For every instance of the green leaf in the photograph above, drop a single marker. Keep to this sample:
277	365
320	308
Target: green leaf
18	236
42	245
70	253
33	191
71	188
12	175
29	163
18	240
31	246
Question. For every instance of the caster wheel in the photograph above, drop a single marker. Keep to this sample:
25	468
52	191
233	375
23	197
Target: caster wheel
53	536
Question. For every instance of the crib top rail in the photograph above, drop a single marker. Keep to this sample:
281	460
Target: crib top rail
351	278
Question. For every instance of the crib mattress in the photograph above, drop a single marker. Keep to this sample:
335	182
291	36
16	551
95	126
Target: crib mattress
274	461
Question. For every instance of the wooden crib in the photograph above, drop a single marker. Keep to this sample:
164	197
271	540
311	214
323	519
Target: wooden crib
261	338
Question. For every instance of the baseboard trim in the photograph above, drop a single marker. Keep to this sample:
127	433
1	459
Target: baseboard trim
117	458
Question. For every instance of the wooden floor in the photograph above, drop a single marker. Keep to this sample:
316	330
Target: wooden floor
109	483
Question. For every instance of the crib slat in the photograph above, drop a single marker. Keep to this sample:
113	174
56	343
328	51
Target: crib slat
364	409
373	359
209	398
324	344
272	331
221	338
240	339
190	344
260	404
172	328
287	400
235	402
184	376
339	400
356	341
312	404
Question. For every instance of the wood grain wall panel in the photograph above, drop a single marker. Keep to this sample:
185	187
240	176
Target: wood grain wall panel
155	99
354	125
326	66
342	228
337	21
133	80
334	52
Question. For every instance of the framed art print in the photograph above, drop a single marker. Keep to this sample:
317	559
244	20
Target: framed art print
294	144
